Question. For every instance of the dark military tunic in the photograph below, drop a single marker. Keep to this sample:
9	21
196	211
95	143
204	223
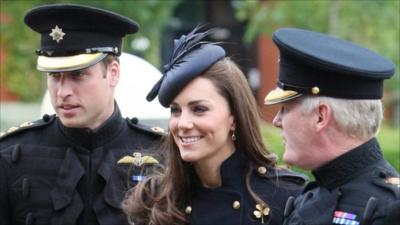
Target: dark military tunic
50	174
359	187
232	203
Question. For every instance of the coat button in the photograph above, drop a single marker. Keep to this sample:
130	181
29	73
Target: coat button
188	209
236	205
15	153
25	188
29	219
262	170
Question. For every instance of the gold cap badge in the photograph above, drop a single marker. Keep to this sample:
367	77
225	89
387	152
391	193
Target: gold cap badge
57	34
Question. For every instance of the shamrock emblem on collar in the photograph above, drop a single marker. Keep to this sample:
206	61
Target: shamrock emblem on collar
261	211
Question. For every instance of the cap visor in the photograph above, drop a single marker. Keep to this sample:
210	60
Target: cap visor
279	95
68	63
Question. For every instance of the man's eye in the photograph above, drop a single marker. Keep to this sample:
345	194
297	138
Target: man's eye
53	74
76	73
284	109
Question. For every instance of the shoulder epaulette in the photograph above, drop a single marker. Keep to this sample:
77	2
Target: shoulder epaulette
290	175
134	123
388	180
46	120
395	181
283	174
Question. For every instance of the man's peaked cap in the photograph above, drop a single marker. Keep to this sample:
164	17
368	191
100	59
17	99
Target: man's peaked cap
76	36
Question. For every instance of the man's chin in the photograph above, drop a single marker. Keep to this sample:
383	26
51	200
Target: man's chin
71	122
288	159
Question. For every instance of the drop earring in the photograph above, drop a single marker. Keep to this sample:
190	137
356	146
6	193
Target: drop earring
233	136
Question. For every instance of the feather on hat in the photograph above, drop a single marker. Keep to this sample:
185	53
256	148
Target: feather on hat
190	58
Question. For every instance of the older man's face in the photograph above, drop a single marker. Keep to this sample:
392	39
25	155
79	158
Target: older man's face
297	134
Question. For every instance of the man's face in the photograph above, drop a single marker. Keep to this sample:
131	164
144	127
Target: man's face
297	134
84	98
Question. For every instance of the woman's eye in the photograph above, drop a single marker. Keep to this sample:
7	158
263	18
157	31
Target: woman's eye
174	109
200	109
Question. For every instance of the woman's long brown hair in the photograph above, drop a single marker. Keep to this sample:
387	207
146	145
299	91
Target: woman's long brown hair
160	199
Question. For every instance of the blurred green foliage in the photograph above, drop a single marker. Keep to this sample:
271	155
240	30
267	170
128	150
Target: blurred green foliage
372	23
19	72
20	42
388	138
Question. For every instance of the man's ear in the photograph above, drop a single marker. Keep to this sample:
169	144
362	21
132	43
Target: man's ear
325	116
114	72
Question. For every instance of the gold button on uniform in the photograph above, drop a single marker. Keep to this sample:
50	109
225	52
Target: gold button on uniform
262	170
188	209
236	205
315	90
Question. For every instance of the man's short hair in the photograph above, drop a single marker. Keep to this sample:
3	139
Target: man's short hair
357	118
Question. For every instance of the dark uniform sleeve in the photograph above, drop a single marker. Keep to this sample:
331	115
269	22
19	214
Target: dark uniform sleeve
4	205
369	200
393	214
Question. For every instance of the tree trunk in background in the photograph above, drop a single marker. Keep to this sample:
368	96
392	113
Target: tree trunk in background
5	94
268	55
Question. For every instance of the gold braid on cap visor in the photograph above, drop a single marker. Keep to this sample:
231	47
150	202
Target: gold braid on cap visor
279	95
68	63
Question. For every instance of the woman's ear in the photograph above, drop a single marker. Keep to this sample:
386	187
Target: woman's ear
233	126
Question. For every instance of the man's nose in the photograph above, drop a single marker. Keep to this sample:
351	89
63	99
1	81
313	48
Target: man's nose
277	122
64	87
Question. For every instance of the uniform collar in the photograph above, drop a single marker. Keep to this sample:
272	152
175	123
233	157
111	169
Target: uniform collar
91	139
233	170
343	168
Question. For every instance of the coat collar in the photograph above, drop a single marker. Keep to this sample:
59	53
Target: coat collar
233	171
91	139
343	168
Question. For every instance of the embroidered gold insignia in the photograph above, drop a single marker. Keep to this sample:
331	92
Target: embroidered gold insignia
260	212
125	160
138	159
57	34
393	181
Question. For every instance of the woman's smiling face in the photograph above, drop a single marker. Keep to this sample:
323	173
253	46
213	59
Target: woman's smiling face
201	123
